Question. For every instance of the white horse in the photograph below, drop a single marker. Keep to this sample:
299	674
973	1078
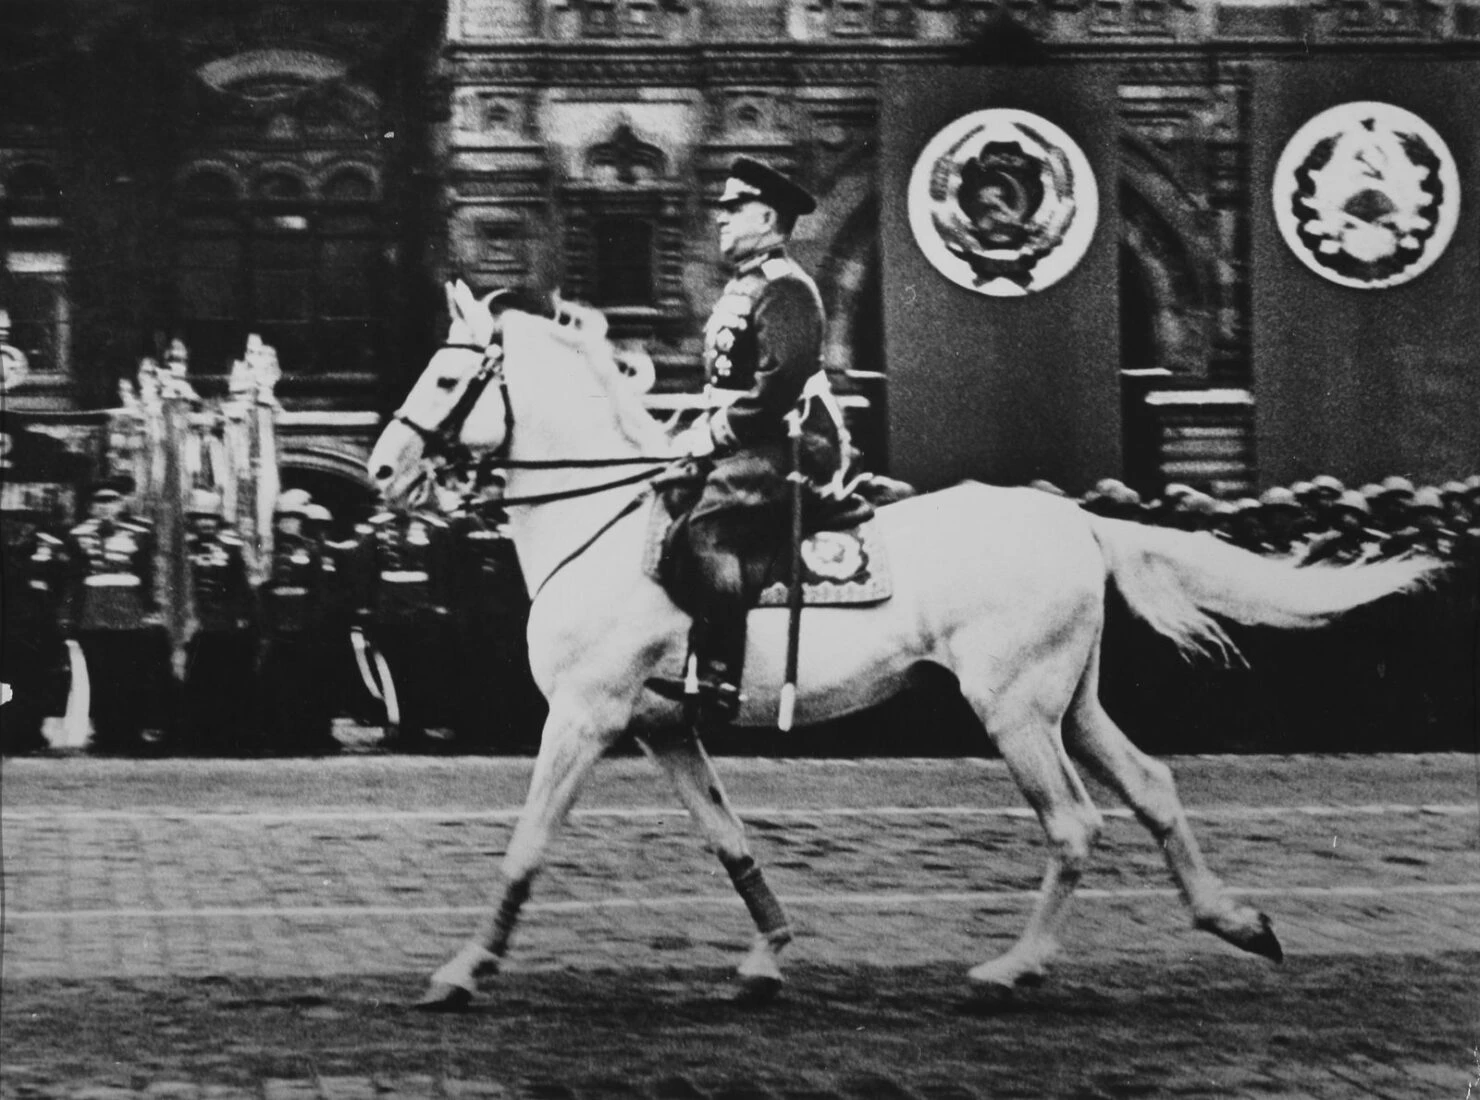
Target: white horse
1003	587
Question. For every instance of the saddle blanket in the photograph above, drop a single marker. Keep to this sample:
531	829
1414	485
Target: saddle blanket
847	568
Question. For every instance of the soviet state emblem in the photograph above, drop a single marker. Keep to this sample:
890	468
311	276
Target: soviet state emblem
1003	202
1366	195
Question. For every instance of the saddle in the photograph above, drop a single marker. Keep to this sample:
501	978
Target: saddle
843	558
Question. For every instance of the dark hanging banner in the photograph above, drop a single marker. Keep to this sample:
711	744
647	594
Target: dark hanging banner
998	226
1366	268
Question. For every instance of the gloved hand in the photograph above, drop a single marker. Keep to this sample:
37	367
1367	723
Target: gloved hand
696	441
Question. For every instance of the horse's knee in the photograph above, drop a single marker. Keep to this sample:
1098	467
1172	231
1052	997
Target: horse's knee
1159	807
1073	836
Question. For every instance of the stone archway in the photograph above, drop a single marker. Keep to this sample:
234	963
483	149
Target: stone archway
335	480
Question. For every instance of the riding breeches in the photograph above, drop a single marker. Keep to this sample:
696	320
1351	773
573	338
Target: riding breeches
723	547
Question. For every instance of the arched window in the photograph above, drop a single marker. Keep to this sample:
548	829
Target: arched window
299	261
624	262
33	267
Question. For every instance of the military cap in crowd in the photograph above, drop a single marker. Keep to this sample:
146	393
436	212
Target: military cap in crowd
203	502
1352	501
1427	499
1303	489
1327	486
1278	497
294	502
112	488
1396	486
1045	486
751	180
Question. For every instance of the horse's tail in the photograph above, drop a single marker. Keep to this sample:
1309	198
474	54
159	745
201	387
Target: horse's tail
1177	581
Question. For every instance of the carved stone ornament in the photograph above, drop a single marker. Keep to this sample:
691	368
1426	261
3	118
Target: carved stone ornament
1003	202
1366	195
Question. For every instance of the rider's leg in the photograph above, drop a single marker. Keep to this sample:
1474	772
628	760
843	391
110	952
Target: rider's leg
693	776
570	747
718	636
1147	787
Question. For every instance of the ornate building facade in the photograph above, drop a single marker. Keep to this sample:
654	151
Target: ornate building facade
312	171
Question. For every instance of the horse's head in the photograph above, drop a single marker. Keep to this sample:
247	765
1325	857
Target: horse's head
460	409
453	410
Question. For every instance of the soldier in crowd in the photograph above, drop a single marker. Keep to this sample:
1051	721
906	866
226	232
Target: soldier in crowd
33	583
111	612
402	574
1425	532
1283	520
1456	502
1320	502
296	685
218	694
1350	537
1391	502
1114	498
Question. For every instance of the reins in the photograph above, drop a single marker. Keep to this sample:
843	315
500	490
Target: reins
442	442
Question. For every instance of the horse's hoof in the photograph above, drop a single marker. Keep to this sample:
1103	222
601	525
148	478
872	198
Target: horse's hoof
1249	931
1265	942
995	979
757	989
444	997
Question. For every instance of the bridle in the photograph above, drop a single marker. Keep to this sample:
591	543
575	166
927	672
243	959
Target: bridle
443	441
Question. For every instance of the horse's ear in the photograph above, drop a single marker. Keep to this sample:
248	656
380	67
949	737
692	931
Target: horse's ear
452	310
466	301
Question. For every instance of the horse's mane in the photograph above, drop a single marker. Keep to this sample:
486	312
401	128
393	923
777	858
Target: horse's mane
585	333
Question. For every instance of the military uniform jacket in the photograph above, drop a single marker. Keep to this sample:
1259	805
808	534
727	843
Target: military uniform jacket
294	599
762	359
218	573
117	575
402	568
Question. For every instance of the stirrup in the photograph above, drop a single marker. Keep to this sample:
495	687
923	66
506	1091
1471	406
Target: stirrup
705	702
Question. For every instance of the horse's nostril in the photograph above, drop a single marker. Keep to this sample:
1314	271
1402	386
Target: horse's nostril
383	473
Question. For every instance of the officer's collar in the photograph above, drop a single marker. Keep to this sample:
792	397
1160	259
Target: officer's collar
753	263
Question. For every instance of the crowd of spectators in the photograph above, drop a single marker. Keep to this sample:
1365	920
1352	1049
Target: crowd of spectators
1320	520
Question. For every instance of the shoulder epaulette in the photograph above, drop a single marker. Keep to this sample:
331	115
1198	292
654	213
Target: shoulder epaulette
777	268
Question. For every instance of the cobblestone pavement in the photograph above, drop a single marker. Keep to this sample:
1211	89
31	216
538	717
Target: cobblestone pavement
371	865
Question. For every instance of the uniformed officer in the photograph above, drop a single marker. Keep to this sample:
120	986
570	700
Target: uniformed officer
1350	538
404	607
762	357
218	692
296	695
112	611
34	579
1284	521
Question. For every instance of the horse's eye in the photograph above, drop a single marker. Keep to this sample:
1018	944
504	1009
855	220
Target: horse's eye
447	384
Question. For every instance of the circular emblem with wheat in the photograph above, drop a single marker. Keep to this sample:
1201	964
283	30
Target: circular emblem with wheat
1003	202
1366	195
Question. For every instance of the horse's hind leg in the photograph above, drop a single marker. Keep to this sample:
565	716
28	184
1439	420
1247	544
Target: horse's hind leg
686	763
569	748
1023	719
1147	787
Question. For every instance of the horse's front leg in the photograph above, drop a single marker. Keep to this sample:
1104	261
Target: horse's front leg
687	764
570	746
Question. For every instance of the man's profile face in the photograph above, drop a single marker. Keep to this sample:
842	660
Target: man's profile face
746	225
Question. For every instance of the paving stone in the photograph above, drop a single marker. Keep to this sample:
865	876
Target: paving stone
461	1089
173	1090
347	1088
289	1088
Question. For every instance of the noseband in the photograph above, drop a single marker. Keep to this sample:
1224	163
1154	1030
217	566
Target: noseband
443	440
